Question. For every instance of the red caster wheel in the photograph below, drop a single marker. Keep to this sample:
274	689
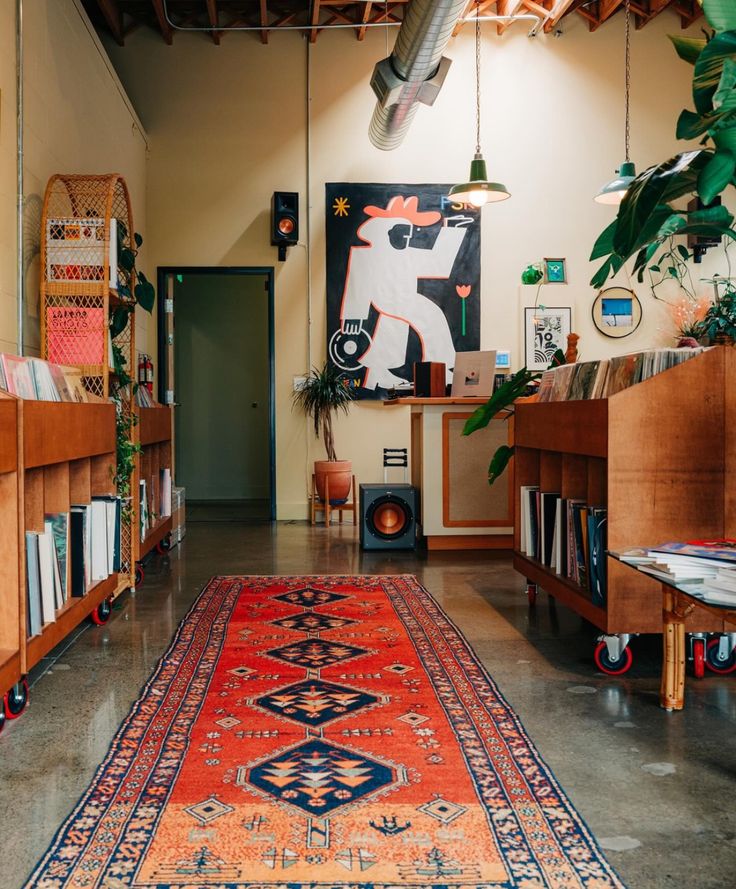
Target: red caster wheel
606	665
16	700
164	545
699	658
716	663
531	593
101	615
139	575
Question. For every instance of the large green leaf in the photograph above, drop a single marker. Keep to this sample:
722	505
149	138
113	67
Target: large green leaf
145	294
499	462
688	48
604	245
126	258
721	14
724	98
504	396
119	321
650	190
709	69
719	215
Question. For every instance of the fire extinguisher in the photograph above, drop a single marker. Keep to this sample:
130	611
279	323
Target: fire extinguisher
141	369
149	374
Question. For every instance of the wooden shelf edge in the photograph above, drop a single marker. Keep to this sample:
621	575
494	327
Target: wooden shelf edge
568	592
10	669
155	535
73	613
154	425
60	432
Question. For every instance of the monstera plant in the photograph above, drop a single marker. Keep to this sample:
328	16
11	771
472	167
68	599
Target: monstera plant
649	218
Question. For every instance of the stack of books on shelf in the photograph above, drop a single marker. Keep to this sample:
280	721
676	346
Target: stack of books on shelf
566	535
75	551
37	380
143	397
150	511
703	568
604	378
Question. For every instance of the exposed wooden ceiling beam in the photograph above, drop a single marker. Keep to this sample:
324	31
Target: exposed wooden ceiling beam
264	20
366	18
688	10
560	8
655	7
164	26
507	7
314	21
213	20
114	19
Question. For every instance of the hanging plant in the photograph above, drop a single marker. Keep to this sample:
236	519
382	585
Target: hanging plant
143	293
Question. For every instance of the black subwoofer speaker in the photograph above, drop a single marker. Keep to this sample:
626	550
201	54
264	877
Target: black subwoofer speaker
388	516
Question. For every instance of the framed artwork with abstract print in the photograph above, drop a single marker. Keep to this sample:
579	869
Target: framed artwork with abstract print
545	331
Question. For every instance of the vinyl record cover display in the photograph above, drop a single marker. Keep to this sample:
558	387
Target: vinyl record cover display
403	282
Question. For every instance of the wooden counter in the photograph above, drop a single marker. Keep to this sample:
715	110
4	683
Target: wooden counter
459	509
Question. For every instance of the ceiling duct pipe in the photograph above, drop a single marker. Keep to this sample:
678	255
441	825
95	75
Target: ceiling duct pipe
415	70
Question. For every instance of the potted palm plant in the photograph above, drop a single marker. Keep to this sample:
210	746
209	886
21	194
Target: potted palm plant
324	393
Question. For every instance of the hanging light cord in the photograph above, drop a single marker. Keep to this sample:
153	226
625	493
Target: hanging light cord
628	75
477	78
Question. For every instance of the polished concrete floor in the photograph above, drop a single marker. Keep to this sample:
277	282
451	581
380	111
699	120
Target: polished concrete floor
655	788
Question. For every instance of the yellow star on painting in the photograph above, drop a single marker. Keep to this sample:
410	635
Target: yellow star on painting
341	206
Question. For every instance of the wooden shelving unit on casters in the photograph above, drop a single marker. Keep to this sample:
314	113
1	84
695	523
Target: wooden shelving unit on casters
661	457
13	689
154	433
52	455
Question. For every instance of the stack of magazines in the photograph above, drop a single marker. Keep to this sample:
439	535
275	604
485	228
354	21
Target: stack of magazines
703	568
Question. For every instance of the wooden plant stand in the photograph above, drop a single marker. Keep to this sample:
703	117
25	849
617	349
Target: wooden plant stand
324	506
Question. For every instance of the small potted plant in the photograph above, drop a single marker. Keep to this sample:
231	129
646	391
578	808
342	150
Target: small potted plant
719	322
323	394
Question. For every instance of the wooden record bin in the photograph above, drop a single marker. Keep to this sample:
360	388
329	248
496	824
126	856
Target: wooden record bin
660	455
12	617
154	434
68	455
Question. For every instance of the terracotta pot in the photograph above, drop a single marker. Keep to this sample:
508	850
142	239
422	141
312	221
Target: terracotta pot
340	474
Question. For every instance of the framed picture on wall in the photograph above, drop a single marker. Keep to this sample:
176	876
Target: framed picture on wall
545	331
555	271
617	312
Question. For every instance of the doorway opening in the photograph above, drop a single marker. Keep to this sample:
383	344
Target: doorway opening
216	363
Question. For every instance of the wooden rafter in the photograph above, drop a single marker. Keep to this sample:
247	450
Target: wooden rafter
484	8
364	20
264	20
561	8
314	20
163	24
213	19
655	7
689	11
507	7
114	19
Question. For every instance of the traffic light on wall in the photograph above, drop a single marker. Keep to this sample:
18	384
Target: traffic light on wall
284	221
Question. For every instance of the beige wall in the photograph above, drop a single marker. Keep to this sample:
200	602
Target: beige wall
227	127
77	119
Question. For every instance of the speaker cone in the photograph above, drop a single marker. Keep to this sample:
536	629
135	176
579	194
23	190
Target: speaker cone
388	517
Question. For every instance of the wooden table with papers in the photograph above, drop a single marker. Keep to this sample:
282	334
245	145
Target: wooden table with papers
679	599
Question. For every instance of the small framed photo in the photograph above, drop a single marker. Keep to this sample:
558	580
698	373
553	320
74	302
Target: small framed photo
555	271
503	359
473	374
545	331
616	312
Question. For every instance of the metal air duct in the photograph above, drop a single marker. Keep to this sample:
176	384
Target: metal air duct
415	70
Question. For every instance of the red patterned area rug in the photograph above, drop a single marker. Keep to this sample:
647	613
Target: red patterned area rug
322	733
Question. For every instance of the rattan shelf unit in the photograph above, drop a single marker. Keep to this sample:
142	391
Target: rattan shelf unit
87	221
